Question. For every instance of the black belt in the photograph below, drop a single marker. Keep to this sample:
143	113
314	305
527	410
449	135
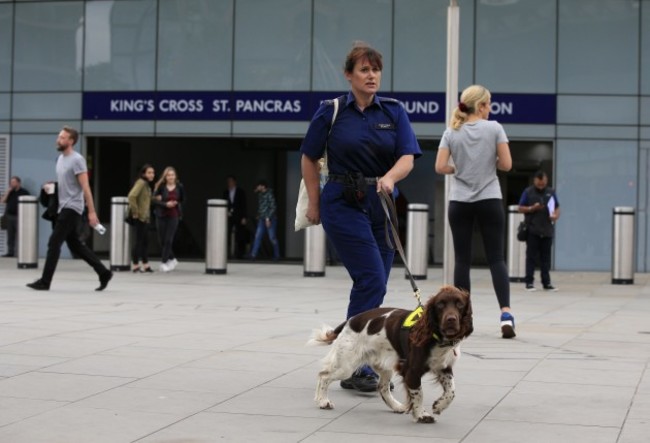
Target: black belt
340	178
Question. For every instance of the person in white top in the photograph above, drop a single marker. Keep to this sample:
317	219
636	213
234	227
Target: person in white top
471	151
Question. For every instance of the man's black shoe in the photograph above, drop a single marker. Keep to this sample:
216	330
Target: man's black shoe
39	285
103	280
8	254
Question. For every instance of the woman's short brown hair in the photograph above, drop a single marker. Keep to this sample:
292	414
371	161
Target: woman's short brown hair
361	50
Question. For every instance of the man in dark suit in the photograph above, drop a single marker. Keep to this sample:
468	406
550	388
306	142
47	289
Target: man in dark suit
237	213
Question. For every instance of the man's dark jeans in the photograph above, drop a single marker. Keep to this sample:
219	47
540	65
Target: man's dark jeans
67	229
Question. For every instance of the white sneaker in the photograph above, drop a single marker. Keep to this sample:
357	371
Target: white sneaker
164	267
172	263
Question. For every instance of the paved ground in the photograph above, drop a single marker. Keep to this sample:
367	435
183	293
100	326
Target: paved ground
193	358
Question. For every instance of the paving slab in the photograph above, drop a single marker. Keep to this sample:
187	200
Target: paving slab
187	357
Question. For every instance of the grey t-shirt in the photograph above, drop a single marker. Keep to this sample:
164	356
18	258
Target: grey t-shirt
70	192
473	148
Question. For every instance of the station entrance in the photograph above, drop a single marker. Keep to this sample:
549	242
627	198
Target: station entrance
203	163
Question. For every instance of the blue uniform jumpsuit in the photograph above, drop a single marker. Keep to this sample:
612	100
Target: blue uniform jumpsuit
369	142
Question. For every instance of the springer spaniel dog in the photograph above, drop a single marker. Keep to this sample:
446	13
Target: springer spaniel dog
411	343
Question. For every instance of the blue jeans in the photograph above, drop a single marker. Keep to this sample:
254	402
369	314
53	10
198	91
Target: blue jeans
261	227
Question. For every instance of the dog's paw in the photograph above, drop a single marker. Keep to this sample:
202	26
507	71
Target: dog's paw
439	406
426	418
325	404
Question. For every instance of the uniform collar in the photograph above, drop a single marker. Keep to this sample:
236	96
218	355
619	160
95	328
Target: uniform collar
351	99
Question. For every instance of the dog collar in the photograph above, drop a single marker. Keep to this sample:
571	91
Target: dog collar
413	318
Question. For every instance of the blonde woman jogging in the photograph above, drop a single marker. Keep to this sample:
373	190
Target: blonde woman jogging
477	148
169	196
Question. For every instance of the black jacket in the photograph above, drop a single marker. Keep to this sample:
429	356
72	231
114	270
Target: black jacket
539	222
237	209
159	205
51	203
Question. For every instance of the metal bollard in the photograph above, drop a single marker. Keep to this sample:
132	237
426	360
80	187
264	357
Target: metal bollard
516	248
27	232
315	252
120	253
216	247
417	240
623	246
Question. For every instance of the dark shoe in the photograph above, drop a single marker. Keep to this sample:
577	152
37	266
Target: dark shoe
8	254
103	280
136	269
39	285
550	288
147	269
530	287
362	383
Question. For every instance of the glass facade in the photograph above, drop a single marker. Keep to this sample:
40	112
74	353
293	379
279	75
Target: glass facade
195	49
48	46
120	45
591	56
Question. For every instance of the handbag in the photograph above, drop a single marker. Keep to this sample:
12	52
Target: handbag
127	217
522	231
303	199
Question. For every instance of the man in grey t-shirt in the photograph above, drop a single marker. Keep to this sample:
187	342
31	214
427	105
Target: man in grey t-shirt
74	191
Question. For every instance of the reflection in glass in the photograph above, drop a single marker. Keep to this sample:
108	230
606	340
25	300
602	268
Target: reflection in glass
195	45
272	45
45	46
120	45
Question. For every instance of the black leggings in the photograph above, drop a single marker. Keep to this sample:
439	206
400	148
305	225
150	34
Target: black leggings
491	220
140	249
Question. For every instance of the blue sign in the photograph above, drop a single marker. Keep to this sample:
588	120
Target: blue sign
422	107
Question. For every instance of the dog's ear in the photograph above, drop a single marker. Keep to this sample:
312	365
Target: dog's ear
467	321
424	329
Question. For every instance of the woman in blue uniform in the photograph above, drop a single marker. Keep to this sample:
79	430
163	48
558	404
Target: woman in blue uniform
371	146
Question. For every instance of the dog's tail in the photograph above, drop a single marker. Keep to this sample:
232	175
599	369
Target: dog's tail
323	336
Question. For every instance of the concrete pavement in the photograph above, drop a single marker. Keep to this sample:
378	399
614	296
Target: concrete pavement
195	358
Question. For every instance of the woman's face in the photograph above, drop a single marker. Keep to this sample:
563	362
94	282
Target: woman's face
149	174
171	177
364	78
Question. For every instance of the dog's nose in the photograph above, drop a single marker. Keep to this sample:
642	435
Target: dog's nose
451	319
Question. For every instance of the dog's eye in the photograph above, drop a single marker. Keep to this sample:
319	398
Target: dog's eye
460	305
440	305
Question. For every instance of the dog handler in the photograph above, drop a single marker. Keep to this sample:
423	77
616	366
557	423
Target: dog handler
371	147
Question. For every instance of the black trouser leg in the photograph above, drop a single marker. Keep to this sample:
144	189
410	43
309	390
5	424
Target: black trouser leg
532	253
167	227
63	226
140	249
461	223
83	252
12	229
545	259
66	230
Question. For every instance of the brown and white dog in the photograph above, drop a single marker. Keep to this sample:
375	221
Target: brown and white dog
410	343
